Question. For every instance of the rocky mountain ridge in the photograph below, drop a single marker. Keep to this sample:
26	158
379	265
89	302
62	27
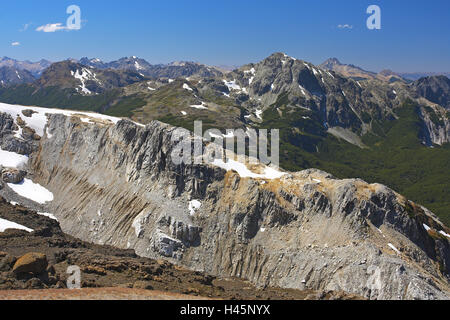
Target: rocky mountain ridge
305	230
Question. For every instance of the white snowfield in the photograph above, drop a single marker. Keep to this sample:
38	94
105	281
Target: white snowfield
12	160
5	225
33	191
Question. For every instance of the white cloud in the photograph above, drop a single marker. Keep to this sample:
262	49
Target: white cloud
345	26
52	27
15	44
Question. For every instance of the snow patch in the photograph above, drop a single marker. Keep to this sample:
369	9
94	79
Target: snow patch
302	89
244	172
199	106
33	191
232	85
5	225
49	135
251	71
48	215
393	248
12	160
444	234
194	205
83	76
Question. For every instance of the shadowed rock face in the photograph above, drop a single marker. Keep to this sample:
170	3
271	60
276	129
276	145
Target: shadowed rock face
435	89
117	185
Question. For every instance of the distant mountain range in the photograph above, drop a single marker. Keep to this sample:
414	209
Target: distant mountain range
29	71
417	75
357	73
35	68
172	70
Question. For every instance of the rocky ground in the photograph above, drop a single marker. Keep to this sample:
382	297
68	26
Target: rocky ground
33	266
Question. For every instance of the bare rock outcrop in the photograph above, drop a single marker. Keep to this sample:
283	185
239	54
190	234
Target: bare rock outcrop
117	185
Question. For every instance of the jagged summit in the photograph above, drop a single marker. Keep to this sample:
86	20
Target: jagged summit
330	63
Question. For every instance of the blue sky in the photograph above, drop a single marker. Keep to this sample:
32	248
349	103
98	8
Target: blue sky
414	34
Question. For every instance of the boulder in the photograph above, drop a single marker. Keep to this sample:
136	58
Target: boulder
28	113
13	175
32	262
30	134
20	122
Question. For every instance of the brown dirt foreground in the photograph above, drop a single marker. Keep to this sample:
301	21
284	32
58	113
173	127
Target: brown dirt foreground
93	294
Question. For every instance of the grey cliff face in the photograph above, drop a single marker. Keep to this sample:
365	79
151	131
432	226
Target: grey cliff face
435	89
117	185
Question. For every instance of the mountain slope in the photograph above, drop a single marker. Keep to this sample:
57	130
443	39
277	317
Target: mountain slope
85	80
11	76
